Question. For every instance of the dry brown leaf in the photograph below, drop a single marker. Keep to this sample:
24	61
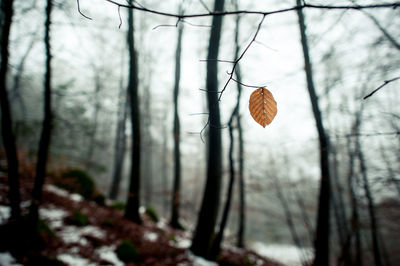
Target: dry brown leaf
262	106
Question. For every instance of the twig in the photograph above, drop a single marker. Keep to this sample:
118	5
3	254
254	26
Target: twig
249	86
79	10
120	19
252	12
381	86
232	72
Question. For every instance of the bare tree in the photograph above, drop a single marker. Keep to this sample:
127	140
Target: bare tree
202	238
6	120
133	202
176	190
323	217
45	137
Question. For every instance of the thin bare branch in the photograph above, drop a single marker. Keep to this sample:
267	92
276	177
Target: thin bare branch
119	15
79	10
249	86
253	12
386	82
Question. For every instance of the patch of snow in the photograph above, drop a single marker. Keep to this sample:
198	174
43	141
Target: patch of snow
151	236
286	254
7	259
108	254
162	224
56	190
199	261
5	213
142	209
54	216
181	242
76	197
63	193
74	260
74	234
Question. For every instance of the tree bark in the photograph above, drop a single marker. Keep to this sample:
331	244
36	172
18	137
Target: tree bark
120	145
202	238
133	202
45	137
6	120
176	190
322	233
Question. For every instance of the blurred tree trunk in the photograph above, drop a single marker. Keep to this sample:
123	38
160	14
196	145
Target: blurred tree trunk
370	201
204	231
176	190
133	202
322	233
93	130
147	147
120	144
45	137
6	120
165	165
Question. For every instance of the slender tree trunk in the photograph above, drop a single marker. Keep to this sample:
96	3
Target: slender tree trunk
322	234
368	194
147	148
165	166
176	190
93	131
120	145
6	121
202	238
133	202
45	137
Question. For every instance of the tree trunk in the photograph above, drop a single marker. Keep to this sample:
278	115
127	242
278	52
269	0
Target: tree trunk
45	137
120	145
202	238
368	194
6	121
322	234
177	153
133	202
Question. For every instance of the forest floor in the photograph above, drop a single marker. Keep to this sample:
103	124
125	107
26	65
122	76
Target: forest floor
94	242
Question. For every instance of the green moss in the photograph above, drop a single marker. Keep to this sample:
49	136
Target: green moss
108	223
152	213
44	229
78	219
118	205
77	181
127	252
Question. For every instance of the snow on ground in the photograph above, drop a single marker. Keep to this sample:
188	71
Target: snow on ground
74	234
162	223
7	259
54	216
74	260
286	254
108	254
150	236
5	213
63	193
181	242
199	261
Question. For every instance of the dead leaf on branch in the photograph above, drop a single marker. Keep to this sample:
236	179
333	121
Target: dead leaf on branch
262	106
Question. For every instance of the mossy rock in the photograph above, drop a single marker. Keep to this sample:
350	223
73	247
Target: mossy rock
150	211
77	181
127	252
79	219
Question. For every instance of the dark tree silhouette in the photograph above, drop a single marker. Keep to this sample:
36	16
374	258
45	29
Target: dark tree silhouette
133	202
322	234
120	144
176	190
45	137
204	231
6	120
